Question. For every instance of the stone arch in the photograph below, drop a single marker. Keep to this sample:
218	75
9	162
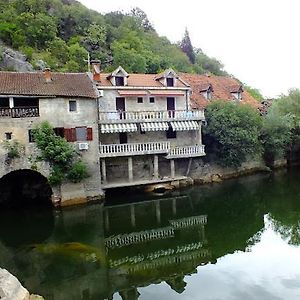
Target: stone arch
25	188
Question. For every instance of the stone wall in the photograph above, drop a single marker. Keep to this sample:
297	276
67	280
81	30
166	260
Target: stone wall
56	111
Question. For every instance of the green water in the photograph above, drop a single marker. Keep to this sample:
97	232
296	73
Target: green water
235	240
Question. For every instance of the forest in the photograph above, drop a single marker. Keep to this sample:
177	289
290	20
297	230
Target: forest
62	33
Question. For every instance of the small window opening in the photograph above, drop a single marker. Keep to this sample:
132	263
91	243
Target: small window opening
72	105
8	135
59	131
151	99
119	81
31	136
170	133
140	99
170	81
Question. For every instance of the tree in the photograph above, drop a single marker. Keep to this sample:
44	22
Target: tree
276	135
233	131
187	48
142	18
255	93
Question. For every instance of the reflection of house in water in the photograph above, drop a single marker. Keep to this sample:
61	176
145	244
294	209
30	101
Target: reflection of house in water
98	251
167	245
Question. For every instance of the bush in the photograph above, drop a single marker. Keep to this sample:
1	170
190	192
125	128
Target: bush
77	172
233	131
14	149
60	154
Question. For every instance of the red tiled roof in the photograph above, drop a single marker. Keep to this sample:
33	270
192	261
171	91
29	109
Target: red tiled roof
138	80
34	84
222	87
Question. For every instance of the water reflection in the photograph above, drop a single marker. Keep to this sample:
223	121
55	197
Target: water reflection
120	251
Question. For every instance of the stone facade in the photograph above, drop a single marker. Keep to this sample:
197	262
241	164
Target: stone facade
16	123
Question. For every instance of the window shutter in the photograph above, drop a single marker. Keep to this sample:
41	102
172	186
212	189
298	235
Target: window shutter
67	134
89	134
73	135
70	134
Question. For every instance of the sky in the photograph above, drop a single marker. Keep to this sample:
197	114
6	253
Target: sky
258	41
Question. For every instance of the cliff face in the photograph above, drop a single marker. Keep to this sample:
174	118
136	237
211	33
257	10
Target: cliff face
12	60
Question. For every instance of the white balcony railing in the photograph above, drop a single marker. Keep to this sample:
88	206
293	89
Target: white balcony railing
186	151
113	150
151	116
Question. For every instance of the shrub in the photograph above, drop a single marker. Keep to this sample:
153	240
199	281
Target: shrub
77	172
233	131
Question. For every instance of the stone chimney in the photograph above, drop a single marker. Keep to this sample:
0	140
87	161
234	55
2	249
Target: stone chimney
47	75
95	66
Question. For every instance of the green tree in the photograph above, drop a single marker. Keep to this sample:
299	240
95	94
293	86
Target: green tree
186	46
233	132
78	54
255	93
38	29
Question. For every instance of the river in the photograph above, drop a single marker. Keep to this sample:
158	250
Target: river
235	240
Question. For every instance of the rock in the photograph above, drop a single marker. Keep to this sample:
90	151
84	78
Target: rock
40	64
11	288
14	60
216	178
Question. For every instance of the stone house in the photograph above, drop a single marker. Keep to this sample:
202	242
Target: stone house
146	125
207	88
69	102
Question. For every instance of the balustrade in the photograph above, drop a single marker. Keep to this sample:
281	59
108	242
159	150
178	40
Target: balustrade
186	151
134	149
165	115
19	112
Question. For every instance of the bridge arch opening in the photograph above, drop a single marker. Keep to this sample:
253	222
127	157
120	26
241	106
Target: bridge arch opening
25	188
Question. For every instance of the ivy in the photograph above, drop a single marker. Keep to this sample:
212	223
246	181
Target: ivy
60	154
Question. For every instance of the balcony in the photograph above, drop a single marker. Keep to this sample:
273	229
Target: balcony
186	152
150	116
19	112
114	150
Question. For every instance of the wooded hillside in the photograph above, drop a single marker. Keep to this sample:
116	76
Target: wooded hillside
63	32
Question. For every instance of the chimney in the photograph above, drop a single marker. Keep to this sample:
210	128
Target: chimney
95	66
47	75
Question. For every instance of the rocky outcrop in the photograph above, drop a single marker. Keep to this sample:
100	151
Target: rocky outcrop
11	288
13	60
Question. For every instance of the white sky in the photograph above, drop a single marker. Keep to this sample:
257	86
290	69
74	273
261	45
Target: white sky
258	41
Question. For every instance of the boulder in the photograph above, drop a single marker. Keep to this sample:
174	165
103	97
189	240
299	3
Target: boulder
11	288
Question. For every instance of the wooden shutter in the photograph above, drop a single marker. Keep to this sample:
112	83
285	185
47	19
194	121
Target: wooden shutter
70	134
89	134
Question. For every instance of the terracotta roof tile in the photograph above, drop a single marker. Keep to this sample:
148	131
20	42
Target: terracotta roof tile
137	80
222	88
34	84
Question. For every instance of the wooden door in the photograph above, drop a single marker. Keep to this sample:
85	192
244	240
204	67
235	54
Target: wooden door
171	106
120	106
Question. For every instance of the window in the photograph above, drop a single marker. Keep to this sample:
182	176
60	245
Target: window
151	99
170	133
8	135
31	136
59	131
81	133
119	80
170	81
140	99
78	134
72	105
123	137
4	102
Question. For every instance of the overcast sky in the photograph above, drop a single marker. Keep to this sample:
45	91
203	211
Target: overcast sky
258	41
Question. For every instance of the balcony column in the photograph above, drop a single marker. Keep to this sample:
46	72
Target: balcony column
172	163
200	135
11	102
156	166
130	169
103	167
